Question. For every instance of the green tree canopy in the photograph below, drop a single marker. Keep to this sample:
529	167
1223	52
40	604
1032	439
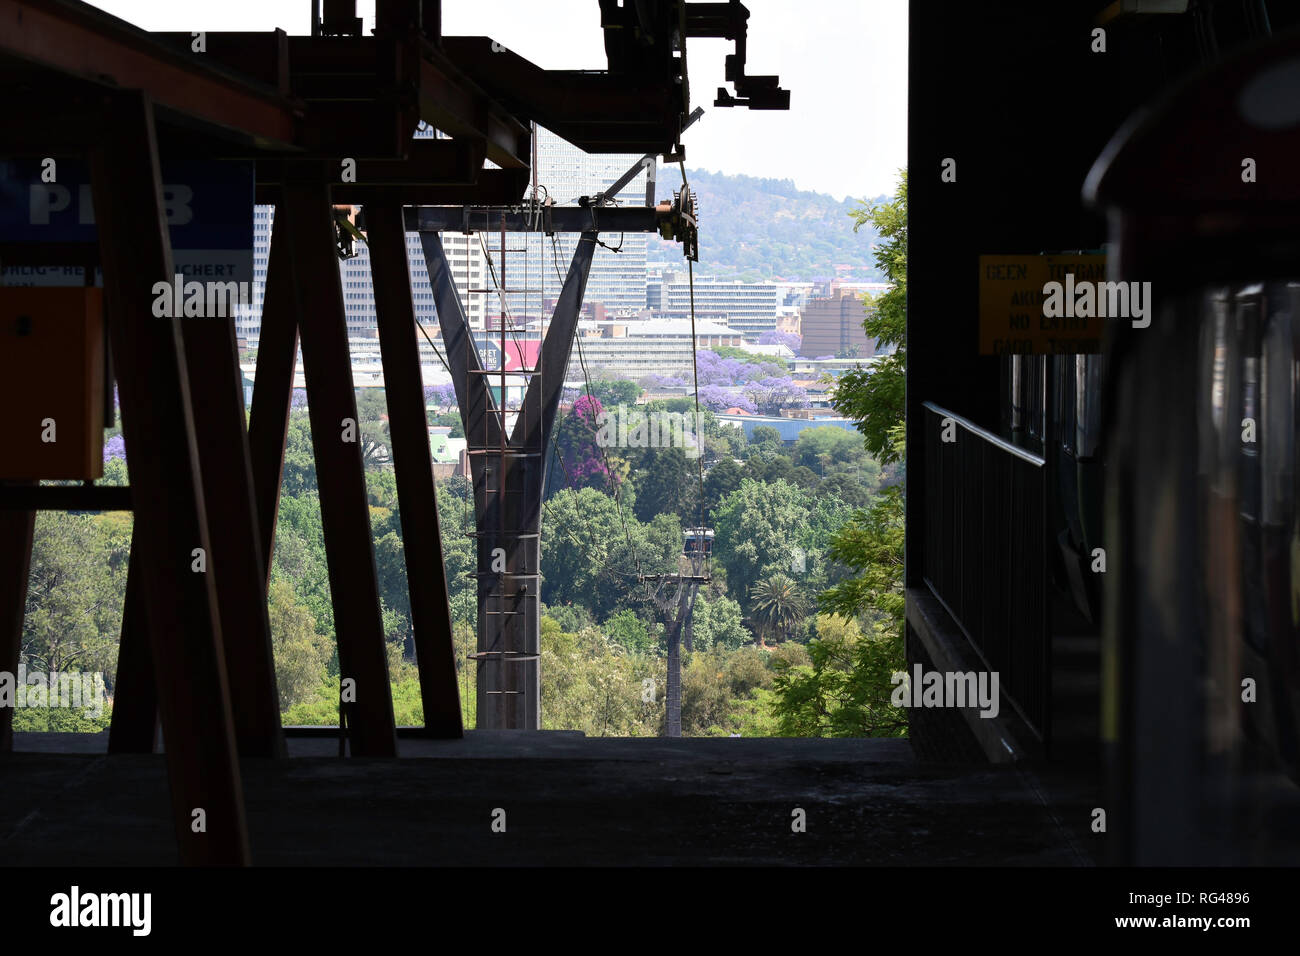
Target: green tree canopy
301	654
844	691
874	396
761	529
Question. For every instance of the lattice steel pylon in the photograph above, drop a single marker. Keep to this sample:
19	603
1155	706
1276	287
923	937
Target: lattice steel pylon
510	586
507	459
678	612
507	465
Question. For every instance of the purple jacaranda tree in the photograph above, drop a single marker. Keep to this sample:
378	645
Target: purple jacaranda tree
770	395
666	381
115	447
576	441
718	399
716	370
443	396
298	399
789	339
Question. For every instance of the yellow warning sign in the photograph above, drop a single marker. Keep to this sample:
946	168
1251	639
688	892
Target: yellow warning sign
1012	319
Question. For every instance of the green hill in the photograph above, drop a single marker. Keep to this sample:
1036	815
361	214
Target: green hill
753	228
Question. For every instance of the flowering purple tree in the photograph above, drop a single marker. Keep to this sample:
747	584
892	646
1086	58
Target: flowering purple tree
770	395
444	396
587	408
298	399
716	370
575	441
666	381
789	339
718	399
115	447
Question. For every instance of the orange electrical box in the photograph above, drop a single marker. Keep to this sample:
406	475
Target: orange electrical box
52	382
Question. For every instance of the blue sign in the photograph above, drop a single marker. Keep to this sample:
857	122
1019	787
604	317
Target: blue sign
208	205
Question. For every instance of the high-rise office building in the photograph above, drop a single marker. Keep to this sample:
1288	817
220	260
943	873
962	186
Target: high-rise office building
618	279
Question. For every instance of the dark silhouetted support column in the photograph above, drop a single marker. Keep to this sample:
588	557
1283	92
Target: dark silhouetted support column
16	528
336	440
236	546
268	420
167	491
234	533
408	423
134	726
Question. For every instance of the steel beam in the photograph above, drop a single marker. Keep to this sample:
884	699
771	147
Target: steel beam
428	161
673	628
646	162
455	104
438	161
597	111
468	219
508	487
495	187
268	419
65	498
235	549
212	361
133	728
544	391
472	395
163	463
78	40
307	214
262	56
16	530
483	432
408	423
509	609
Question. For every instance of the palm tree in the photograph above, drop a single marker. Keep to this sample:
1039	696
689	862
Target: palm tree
778	607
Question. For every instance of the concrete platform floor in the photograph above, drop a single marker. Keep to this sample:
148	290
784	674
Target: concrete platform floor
569	800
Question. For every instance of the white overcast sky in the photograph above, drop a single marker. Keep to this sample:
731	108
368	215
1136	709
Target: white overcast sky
844	61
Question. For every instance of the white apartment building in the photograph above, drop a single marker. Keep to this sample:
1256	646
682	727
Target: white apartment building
752	308
639	348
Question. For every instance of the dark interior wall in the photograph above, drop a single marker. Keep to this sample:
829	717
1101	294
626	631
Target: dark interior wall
1014	93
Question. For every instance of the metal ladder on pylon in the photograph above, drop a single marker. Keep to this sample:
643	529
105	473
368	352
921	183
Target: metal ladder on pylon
508	478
